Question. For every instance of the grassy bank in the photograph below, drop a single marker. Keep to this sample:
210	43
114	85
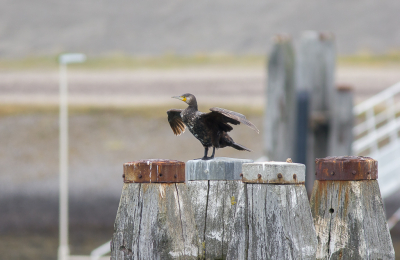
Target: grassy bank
172	61
148	111
120	61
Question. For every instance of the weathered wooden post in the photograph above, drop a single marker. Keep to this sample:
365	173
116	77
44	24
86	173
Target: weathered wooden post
348	211
154	218
315	73
342	122
217	194
280	110
279	219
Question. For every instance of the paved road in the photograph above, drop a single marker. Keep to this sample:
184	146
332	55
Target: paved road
217	86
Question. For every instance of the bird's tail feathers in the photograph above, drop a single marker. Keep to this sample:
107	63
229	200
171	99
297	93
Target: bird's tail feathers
240	147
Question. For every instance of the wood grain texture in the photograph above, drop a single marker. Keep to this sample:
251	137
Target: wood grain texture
124	244
151	224
198	194
239	238
210	219
189	231
350	221
280	222
215	205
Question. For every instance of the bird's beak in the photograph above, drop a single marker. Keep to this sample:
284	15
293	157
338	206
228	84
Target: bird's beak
180	98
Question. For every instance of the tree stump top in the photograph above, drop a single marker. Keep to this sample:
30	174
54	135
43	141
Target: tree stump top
346	168
219	168
154	171
274	173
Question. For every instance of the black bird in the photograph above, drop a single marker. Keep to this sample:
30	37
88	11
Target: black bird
209	128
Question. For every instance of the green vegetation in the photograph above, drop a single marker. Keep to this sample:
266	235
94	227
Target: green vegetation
372	60
148	111
115	62
172	61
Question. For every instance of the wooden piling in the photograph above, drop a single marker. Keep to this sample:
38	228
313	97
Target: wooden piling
315	71
280	109
348	211
218	200
154	218
342	122
278	213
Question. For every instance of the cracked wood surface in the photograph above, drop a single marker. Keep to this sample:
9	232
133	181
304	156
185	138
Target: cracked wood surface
154	222
350	221
253	221
280	222
218	201
215	205
213	219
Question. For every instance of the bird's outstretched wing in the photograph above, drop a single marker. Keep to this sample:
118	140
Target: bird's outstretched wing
175	121
221	115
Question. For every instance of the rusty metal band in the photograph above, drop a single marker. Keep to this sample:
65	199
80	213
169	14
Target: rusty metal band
154	171
346	168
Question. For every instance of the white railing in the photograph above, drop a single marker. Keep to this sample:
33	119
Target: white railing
100	251
377	135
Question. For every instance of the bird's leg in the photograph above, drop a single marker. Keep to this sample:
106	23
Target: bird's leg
205	153
212	155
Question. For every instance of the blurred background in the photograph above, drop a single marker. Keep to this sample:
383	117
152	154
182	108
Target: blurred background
139	54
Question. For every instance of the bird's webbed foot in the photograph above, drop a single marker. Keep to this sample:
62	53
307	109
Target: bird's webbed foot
205	157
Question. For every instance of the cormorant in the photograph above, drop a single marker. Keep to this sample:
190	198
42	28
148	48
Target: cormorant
209	128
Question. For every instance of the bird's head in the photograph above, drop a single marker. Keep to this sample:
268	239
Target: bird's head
187	98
